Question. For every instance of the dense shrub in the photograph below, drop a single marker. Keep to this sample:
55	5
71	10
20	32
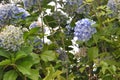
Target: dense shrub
59	40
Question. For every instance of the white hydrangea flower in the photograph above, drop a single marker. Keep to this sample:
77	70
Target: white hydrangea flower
11	38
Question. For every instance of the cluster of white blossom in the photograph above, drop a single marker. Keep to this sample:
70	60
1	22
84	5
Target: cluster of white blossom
11	38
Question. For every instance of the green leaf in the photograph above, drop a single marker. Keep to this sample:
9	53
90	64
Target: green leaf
23	70
24	65
10	75
104	66
71	76
34	75
48	56
52	74
82	69
5	62
50	21
1	73
32	32
92	53
36	58
113	69
27	49
20	54
4	53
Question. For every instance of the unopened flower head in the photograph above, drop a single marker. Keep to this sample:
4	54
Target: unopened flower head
11	11
11	38
83	30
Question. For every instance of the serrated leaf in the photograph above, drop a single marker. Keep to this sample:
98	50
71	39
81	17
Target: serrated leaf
5	62
10	75
48	56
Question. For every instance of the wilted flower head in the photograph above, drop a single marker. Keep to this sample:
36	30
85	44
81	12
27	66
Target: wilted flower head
114	5
84	30
76	6
11	11
11	38
62	54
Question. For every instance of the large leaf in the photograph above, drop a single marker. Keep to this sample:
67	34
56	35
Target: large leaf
92	53
50	21
20	54
24	70
10	75
4	53
24	65
36	58
48	56
34	75
5	62
27	49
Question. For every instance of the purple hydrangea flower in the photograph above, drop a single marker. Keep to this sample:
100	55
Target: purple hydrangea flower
83	30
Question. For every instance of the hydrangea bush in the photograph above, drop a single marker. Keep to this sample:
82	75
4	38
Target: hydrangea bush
59	39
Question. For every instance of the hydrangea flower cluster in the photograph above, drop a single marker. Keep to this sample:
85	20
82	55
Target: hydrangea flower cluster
11	38
76	6
83	30
11	11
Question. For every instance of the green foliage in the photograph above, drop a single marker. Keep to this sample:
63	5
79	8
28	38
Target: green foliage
48	56
10	75
95	59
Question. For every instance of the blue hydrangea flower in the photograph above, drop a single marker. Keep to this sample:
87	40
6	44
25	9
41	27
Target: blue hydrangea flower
11	11
24	13
83	30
